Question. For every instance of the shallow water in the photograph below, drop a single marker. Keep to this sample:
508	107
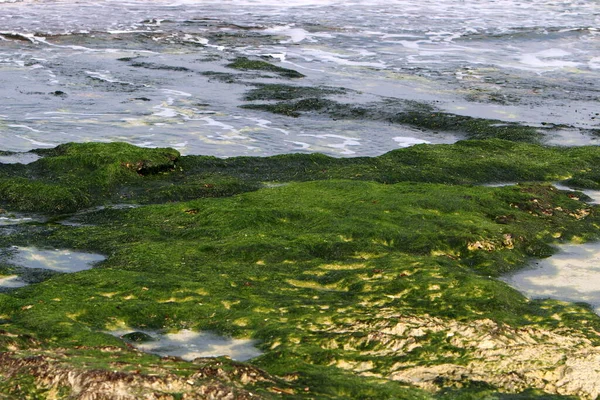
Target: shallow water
592	194
67	261
189	345
12	282
573	274
13	219
8	218
133	70
18	158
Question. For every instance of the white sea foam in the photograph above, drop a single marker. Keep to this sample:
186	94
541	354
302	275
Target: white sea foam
593	194
18	158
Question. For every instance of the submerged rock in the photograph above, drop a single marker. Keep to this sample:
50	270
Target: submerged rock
138	337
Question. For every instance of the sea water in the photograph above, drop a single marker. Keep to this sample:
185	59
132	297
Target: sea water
78	70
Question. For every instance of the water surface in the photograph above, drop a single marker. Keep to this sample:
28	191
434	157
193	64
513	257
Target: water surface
573	274
135	71
57	260
190	345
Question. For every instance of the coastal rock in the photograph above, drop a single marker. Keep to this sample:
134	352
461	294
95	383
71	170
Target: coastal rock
85	384
512	359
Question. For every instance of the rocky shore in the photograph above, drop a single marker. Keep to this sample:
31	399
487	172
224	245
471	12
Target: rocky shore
358	277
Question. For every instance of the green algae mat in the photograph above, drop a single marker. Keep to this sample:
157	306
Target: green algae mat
357	278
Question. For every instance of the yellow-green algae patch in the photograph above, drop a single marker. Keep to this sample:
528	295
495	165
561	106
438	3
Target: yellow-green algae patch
379	284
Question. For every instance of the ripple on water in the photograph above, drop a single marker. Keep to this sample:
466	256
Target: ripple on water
573	274
190	345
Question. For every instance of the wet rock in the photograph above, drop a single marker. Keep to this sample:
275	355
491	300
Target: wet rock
243	63
138	337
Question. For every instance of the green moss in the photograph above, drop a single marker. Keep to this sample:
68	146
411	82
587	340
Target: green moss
66	179
30	195
159	67
311	268
23	386
246	64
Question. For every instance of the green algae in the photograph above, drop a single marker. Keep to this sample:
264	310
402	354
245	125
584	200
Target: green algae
245	64
289	92
410	113
77	176
346	243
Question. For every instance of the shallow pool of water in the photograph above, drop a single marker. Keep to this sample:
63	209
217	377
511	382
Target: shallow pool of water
190	345
18	158
573	274
54	260
593	194
11	282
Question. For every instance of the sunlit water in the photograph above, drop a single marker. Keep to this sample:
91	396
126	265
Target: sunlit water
571	275
61	261
87	70
55	260
190	345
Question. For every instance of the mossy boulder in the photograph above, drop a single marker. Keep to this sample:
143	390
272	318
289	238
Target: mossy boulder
359	278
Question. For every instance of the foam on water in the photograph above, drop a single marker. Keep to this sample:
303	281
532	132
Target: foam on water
64	75
593	194
13	220
8	218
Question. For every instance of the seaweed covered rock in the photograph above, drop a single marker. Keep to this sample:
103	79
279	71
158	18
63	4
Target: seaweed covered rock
74	176
138	337
358	278
244	63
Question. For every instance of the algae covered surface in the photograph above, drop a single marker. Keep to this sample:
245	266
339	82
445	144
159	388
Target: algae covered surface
357	278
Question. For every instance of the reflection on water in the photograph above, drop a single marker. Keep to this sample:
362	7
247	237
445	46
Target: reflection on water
18	158
593	194
571	275
11	282
189	345
54	260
